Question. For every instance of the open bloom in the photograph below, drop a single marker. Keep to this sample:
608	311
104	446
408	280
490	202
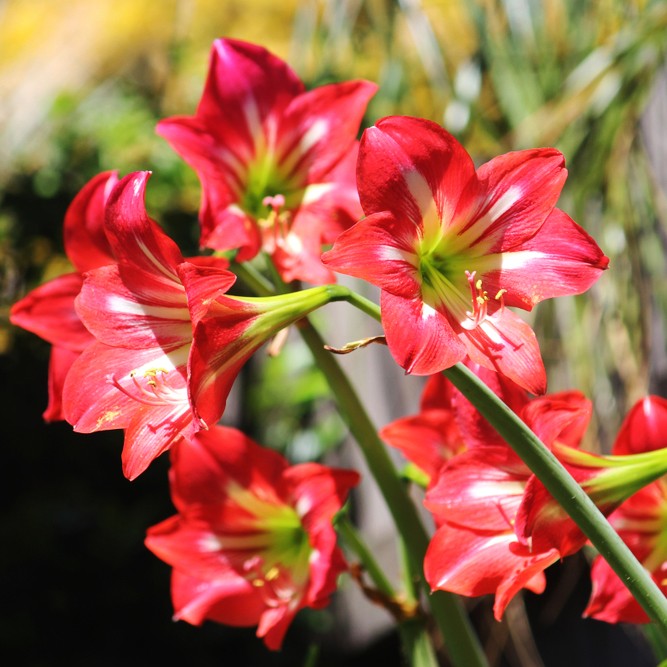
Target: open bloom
477	496
276	163
48	310
168	341
451	248
253	540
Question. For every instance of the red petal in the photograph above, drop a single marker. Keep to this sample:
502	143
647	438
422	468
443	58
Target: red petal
480	489
319	127
644	427
229	599
505	343
205	468
92	399
516	193
563	416
561	259
420	339
411	166
133	318
203	284
379	249
428	439
60	362
84	235
469	563
48	311
610	600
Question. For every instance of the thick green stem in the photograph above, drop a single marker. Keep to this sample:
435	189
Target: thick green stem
565	490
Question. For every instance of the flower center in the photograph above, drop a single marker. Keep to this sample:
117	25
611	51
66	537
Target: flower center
263	185
447	283
153	387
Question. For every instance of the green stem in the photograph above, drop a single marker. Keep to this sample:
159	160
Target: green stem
351	536
448	611
565	490
415	639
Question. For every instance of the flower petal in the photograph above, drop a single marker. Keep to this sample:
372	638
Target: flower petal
420	338
413	168
516	193
320	127
560	259
505	343
84	235
48	311
644	427
378	249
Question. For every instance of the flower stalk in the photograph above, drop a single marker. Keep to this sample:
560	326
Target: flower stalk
565	490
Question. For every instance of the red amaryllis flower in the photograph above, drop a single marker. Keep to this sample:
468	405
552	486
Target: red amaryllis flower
48	310
639	458
253	541
276	163
431	437
447	423
451	247
169	343
134	376
475	501
641	520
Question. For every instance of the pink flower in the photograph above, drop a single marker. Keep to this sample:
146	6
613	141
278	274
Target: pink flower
253	540
276	163
168	341
477	496
641	520
639	458
48	310
134	376
451	248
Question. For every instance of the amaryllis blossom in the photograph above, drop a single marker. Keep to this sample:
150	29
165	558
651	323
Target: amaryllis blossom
276	163
48	310
641	520
169	342
475	500
253	541
436	433
452	247
639	457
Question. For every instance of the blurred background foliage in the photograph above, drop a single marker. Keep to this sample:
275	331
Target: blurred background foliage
82	85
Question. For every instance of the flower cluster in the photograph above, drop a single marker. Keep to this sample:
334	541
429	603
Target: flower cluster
497	528
150	342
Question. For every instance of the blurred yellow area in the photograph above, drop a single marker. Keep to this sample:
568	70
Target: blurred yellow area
83	83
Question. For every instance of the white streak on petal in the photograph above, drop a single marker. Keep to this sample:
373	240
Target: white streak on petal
428	312
314	133
505	202
420	190
117	304
164	270
518	260
315	192
392	254
252	116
